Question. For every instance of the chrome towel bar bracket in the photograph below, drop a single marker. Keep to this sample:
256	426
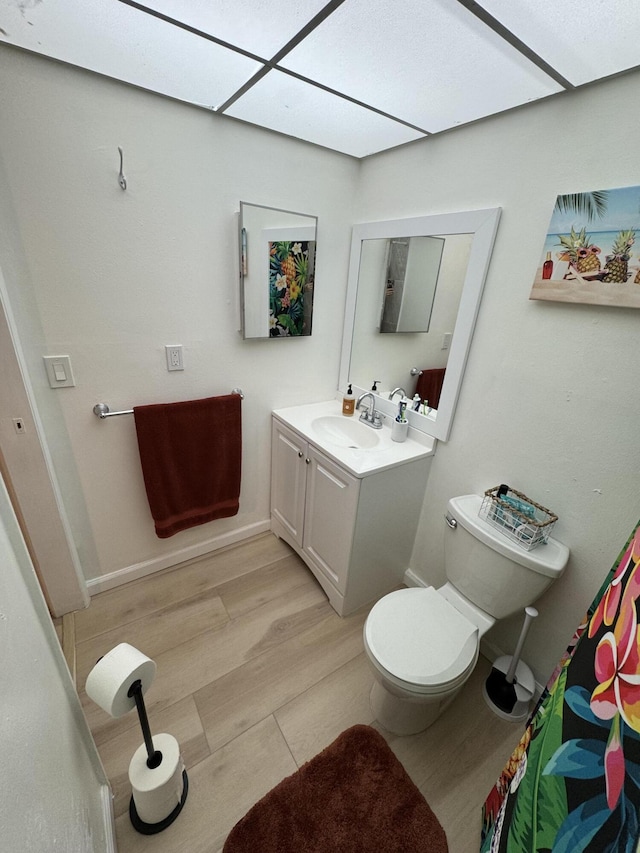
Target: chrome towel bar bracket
101	410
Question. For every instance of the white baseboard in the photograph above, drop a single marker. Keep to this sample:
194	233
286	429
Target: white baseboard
148	567
488	649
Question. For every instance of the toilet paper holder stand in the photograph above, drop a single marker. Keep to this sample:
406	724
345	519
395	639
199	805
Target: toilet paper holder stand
154	756
154	760
159	781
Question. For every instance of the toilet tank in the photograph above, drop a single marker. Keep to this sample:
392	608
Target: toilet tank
489	569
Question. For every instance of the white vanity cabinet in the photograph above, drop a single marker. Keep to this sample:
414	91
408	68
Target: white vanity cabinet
355	533
289	454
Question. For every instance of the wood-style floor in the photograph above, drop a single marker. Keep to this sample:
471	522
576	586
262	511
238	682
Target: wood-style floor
257	674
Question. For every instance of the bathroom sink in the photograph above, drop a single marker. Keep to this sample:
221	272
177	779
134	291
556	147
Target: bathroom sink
356	447
345	432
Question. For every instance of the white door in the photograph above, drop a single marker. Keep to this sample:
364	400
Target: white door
54	795
26	468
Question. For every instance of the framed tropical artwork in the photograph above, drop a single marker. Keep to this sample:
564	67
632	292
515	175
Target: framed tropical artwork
590	253
291	276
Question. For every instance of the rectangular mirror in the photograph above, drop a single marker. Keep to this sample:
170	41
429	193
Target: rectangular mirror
409	286
390	356
277	270
396	360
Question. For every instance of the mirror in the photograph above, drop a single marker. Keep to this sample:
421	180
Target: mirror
437	297
368	354
277	270
409	287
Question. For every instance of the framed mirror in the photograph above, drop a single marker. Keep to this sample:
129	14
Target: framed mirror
416	360
277	252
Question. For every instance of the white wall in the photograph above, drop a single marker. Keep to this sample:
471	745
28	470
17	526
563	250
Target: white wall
113	276
549	401
53	791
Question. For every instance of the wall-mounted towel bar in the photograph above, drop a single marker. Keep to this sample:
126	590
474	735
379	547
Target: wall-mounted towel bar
101	410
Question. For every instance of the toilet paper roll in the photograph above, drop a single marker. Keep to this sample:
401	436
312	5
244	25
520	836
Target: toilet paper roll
157	791
109	681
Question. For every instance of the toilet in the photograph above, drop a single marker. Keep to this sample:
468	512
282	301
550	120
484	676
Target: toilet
423	643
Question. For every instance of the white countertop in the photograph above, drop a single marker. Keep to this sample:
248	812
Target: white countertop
359	462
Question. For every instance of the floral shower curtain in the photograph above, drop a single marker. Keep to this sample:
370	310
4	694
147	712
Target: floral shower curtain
573	782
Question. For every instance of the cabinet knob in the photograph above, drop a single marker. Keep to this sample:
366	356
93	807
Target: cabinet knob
300	454
308	461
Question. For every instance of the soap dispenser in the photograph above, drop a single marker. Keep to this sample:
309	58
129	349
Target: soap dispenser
349	402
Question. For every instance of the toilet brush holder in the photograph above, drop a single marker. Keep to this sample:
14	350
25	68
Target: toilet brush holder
524	688
510	686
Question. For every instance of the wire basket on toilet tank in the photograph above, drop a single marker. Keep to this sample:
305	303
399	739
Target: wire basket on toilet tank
520	519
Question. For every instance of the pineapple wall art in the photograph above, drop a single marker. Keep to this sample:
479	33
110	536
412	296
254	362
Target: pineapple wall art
592	250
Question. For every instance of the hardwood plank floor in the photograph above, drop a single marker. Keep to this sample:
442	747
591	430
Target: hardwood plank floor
256	675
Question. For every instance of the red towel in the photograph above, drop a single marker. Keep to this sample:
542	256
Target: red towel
191	456
429	385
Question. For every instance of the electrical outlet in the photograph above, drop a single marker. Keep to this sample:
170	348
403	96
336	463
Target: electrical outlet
174	357
446	340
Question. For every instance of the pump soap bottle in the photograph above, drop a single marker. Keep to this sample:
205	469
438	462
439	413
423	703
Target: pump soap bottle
349	402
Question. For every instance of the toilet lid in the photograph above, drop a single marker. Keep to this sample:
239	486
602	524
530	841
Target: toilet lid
419	637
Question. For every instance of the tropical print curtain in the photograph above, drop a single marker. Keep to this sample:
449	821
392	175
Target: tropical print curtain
573	782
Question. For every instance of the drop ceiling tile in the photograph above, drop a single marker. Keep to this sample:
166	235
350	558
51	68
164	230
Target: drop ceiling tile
124	43
431	64
584	40
259	26
286	104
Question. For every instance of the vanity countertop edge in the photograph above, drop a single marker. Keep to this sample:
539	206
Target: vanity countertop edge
360	463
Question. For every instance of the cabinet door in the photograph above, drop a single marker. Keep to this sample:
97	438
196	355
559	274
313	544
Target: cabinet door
288	475
331	507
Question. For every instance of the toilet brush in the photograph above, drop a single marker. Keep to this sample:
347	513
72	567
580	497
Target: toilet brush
510	685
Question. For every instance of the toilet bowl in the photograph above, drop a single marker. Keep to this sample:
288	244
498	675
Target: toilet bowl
422	650
423	643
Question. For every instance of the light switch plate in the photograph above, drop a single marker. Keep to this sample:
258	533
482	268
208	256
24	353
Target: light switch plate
59	371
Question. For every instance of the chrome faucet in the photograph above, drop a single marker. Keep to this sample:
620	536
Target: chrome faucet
395	391
369	416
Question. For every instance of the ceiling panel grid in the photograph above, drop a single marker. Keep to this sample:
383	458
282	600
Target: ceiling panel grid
358	76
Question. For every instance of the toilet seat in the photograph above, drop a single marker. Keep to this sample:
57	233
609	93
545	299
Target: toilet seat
420	641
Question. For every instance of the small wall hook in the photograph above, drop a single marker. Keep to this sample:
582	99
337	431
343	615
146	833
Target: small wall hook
121	178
